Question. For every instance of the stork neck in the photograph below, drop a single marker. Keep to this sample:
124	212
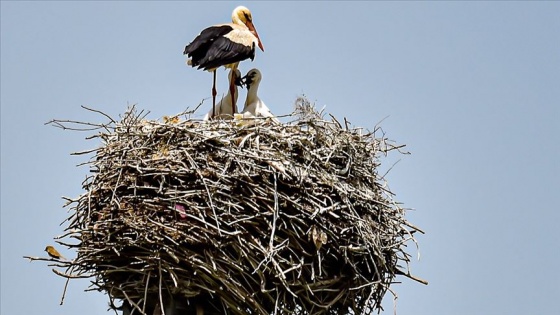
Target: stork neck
228	95
252	94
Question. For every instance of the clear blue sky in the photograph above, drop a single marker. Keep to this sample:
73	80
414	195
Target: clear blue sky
472	88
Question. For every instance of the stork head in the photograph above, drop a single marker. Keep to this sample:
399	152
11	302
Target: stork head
241	15
253	77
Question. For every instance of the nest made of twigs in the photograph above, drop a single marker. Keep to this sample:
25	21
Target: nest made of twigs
246	218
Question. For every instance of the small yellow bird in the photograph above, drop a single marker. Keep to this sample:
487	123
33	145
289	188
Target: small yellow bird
53	253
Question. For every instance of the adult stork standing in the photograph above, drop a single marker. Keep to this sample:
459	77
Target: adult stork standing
225	45
254	106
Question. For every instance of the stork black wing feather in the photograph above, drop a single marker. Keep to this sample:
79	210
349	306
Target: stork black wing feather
211	49
223	51
205	38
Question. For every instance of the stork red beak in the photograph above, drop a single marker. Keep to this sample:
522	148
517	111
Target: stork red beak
254	31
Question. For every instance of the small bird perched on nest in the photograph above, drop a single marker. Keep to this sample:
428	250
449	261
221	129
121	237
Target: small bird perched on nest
53	253
254	106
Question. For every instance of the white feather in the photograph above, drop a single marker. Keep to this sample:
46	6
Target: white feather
254	106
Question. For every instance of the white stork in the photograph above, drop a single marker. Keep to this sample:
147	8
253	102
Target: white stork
254	106
225	45
224	108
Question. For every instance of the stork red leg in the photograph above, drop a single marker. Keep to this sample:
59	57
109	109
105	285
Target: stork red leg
214	93
232	91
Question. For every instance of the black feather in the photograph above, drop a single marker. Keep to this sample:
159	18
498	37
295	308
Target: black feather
206	37
211	49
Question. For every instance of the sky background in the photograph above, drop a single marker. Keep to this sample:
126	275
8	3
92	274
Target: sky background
472	89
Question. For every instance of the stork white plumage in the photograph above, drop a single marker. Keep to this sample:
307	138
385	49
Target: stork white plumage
225	45
226	108
254	106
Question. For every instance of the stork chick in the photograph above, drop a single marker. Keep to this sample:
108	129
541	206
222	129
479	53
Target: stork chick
254	106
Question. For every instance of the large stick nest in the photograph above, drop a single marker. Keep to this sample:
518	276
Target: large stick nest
246	218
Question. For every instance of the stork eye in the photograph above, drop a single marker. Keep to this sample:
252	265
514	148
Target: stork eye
247	16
